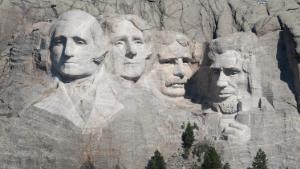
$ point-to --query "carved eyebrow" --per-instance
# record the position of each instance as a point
(59, 38)
(114, 39)
(137, 38)
(167, 60)
(187, 59)
(233, 69)
(77, 39)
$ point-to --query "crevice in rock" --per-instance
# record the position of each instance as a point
(287, 63)
(162, 13)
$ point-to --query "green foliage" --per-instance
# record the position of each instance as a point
(188, 137)
(156, 161)
(195, 126)
(199, 149)
(260, 160)
(87, 165)
(211, 159)
(226, 166)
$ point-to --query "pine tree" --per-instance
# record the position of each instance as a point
(188, 136)
(211, 160)
(226, 166)
(260, 160)
(156, 161)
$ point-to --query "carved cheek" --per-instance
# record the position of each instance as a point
(57, 52)
(187, 70)
(242, 81)
(165, 72)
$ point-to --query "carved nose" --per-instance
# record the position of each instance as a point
(130, 51)
(69, 49)
(178, 71)
(222, 80)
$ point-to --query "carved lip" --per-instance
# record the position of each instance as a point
(225, 94)
(70, 63)
(175, 84)
(131, 63)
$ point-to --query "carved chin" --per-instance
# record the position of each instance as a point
(73, 73)
(228, 106)
(174, 91)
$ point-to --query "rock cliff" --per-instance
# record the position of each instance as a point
(31, 137)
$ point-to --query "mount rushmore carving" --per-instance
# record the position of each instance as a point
(126, 87)
(89, 59)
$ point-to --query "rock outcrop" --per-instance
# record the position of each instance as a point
(124, 117)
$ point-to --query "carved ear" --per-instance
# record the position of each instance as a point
(197, 49)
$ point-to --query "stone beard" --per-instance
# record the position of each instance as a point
(229, 81)
(232, 87)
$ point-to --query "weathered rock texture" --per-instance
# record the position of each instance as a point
(32, 138)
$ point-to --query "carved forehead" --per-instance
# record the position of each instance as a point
(174, 50)
(79, 23)
(73, 29)
(173, 45)
(241, 41)
(75, 22)
(229, 59)
(125, 28)
(112, 23)
(76, 15)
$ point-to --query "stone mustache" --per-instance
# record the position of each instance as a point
(94, 62)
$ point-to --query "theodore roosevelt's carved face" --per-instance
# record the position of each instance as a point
(73, 47)
(174, 68)
(129, 50)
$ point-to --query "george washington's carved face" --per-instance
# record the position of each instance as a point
(73, 47)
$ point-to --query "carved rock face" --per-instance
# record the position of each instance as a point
(129, 50)
(228, 76)
(73, 47)
(174, 69)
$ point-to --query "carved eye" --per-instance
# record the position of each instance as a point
(186, 60)
(79, 41)
(58, 40)
(229, 72)
(119, 43)
(167, 61)
(139, 42)
(216, 71)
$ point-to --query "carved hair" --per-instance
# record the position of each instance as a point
(110, 22)
(165, 38)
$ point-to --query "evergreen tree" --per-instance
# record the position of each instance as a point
(211, 160)
(156, 161)
(226, 166)
(88, 164)
(188, 136)
(260, 160)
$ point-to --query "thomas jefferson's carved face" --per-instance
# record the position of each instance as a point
(228, 77)
(174, 69)
(129, 51)
(73, 49)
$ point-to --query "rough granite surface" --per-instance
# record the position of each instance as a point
(31, 138)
